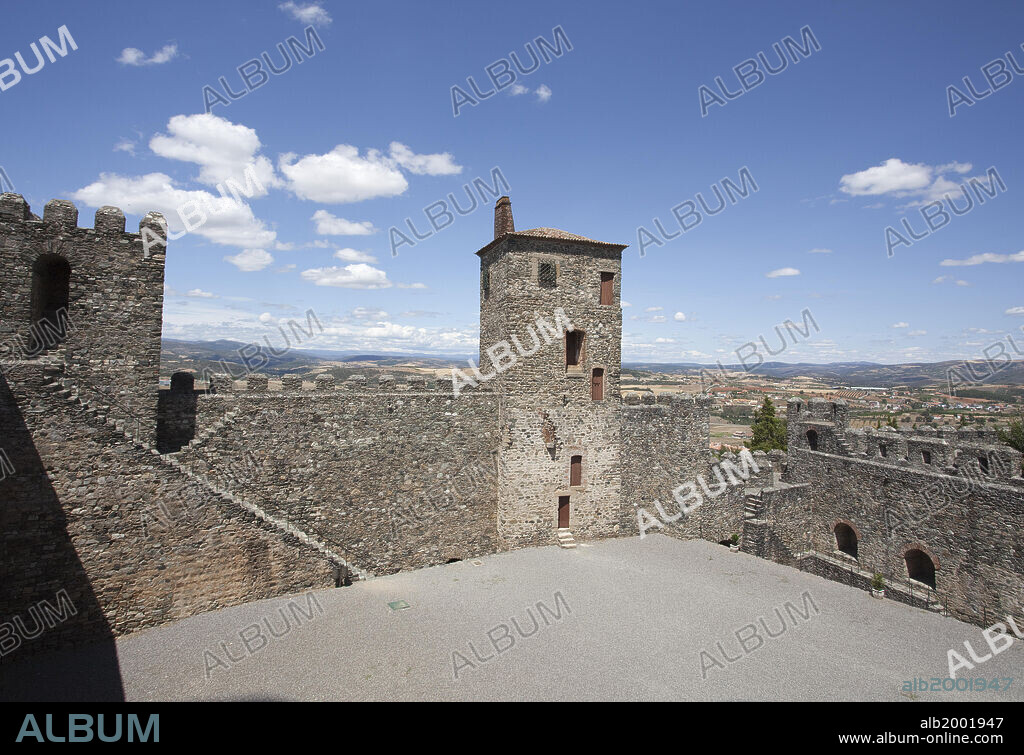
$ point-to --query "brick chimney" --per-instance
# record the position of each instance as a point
(503, 222)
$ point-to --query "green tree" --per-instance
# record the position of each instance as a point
(892, 422)
(768, 431)
(1013, 436)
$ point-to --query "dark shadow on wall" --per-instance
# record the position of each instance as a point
(38, 565)
(176, 413)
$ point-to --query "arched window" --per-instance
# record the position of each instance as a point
(846, 539)
(812, 439)
(51, 293)
(920, 567)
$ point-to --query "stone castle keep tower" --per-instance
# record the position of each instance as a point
(142, 505)
(559, 404)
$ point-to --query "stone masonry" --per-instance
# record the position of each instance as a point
(148, 505)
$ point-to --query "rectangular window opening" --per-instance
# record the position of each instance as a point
(576, 471)
(597, 384)
(573, 348)
(607, 288)
(547, 274)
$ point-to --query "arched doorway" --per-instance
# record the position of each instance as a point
(51, 294)
(812, 439)
(846, 539)
(920, 567)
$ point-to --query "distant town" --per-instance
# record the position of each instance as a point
(738, 394)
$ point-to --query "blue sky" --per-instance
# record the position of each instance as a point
(599, 140)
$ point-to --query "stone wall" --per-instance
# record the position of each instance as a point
(391, 477)
(970, 530)
(114, 308)
(665, 445)
(133, 540)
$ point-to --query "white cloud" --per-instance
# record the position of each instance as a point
(353, 255)
(664, 340)
(331, 225)
(653, 309)
(358, 275)
(820, 251)
(221, 148)
(132, 56)
(925, 183)
(981, 259)
(543, 93)
(900, 325)
(915, 333)
(943, 278)
(658, 318)
(423, 165)
(1015, 311)
(201, 320)
(250, 260)
(125, 145)
(962, 283)
(412, 285)
(518, 89)
(625, 304)
(679, 317)
(342, 175)
(893, 175)
(364, 312)
(267, 319)
(227, 221)
(782, 272)
(200, 294)
(310, 13)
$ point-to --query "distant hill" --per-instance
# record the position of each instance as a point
(210, 355)
(213, 356)
(859, 373)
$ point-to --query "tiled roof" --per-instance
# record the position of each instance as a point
(551, 233)
(555, 233)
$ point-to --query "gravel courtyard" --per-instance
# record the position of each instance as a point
(611, 620)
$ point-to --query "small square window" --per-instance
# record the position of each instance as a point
(547, 275)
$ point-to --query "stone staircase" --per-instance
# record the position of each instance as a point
(753, 507)
(565, 538)
(63, 388)
(225, 421)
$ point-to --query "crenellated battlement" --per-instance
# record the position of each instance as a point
(674, 398)
(92, 298)
(256, 383)
(60, 216)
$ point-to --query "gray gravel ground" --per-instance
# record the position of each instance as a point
(635, 618)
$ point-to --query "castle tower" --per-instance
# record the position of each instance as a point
(90, 299)
(551, 332)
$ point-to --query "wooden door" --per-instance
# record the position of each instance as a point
(597, 384)
(563, 512)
